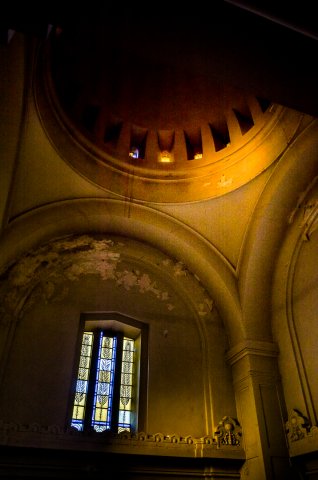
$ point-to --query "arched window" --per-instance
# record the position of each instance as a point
(106, 393)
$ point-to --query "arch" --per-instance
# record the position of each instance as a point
(136, 221)
(286, 329)
(88, 276)
(289, 180)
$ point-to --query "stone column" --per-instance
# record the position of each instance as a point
(260, 410)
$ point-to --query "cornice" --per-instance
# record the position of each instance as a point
(251, 347)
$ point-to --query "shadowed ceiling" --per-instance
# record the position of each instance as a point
(265, 46)
(173, 94)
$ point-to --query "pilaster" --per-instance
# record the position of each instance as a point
(260, 410)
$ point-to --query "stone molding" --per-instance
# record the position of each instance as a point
(44, 224)
(251, 347)
(227, 444)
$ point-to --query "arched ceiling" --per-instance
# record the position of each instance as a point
(146, 103)
(264, 45)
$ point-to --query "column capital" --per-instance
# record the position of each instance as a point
(251, 347)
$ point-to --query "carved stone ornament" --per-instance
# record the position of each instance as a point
(229, 432)
(297, 426)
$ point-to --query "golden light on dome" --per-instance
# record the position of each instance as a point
(165, 157)
(158, 126)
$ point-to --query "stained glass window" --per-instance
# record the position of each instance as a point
(105, 383)
(82, 381)
(126, 385)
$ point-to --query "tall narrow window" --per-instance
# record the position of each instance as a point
(126, 385)
(80, 399)
(109, 388)
(106, 385)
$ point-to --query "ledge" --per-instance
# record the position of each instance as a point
(52, 437)
(308, 444)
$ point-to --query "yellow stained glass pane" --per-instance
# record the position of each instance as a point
(83, 374)
(107, 347)
(87, 343)
(100, 414)
(126, 378)
(125, 391)
(124, 429)
(125, 404)
(81, 402)
(127, 366)
(128, 343)
(106, 353)
(86, 349)
(82, 381)
(104, 376)
(78, 412)
(102, 402)
(126, 382)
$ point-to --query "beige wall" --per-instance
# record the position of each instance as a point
(187, 341)
(227, 285)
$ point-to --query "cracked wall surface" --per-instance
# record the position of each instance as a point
(43, 296)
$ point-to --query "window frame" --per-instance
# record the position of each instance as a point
(116, 324)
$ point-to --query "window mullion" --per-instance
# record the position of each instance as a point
(116, 394)
(92, 379)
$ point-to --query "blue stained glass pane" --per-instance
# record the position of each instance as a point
(104, 385)
(81, 386)
(100, 427)
(124, 421)
(78, 424)
(124, 417)
(105, 365)
(103, 389)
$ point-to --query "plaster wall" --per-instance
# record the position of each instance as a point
(187, 341)
(12, 95)
(305, 306)
(294, 320)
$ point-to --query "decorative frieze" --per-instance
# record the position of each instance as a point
(228, 436)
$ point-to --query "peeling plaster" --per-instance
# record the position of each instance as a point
(41, 275)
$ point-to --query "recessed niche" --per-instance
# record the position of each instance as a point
(220, 135)
(193, 140)
(263, 103)
(138, 138)
(244, 119)
(165, 140)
